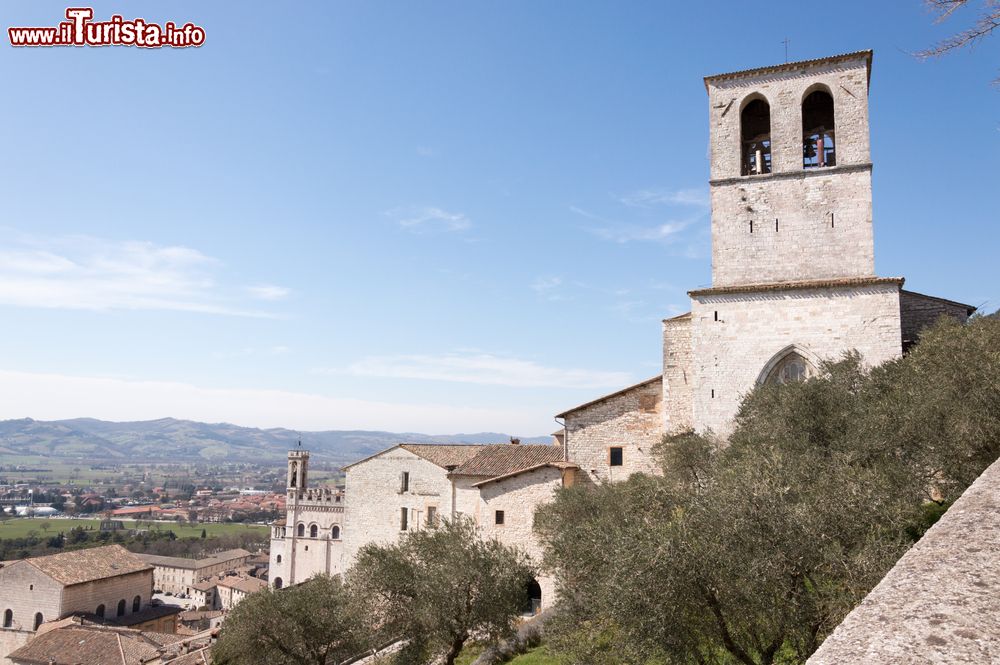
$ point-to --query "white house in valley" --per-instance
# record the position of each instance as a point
(793, 284)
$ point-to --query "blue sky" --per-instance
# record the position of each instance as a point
(423, 216)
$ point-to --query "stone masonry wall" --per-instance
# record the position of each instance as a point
(677, 376)
(277, 567)
(752, 328)
(306, 556)
(519, 497)
(815, 225)
(824, 215)
(632, 419)
(939, 603)
(87, 596)
(374, 498)
(25, 590)
(919, 311)
(11, 640)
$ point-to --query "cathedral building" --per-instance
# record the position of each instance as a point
(793, 285)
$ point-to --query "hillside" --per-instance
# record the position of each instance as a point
(172, 440)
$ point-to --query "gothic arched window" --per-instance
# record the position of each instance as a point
(100, 611)
(792, 368)
(755, 138)
(335, 532)
(38, 620)
(301, 530)
(295, 473)
(278, 559)
(121, 608)
(8, 618)
(818, 147)
(313, 531)
(136, 603)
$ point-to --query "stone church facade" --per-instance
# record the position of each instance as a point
(793, 270)
(793, 285)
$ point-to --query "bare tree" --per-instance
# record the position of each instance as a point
(987, 21)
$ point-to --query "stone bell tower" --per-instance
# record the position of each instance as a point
(791, 172)
(793, 266)
(298, 467)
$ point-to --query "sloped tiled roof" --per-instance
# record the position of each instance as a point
(244, 584)
(80, 645)
(444, 456)
(790, 66)
(194, 564)
(440, 454)
(658, 377)
(838, 282)
(505, 458)
(199, 657)
(545, 465)
(90, 564)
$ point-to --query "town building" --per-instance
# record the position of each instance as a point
(176, 575)
(793, 285)
(75, 641)
(409, 487)
(109, 583)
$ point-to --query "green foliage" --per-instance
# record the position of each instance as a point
(750, 550)
(308, 624)
(439, 587)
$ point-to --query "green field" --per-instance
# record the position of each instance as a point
(20, 527)
(536, 656)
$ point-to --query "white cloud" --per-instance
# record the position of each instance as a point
(482, 368)
(429, 219)
(84, 273)
(268, 292)
(55, 396)
(645, 198)
(548, 288)
(624, 233)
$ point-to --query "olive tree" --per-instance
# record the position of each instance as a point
(309, 624)
(439, 587)
(751, 549)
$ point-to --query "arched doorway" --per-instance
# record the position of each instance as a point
(277, 582)
(533, 604)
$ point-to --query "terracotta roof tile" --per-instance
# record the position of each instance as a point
(90, 564)
(505, 458)
(555, 465)
(444, 456)
(658, 377)
(792, 286)
(194, 564)
(244, 584)
(790, 66)
(86, 645)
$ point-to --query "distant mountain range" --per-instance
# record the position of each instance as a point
(172, 440)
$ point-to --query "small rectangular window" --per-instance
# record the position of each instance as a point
(616, 456)
(432, 515)
(403, 515)
(404, 481)
(499, 517)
